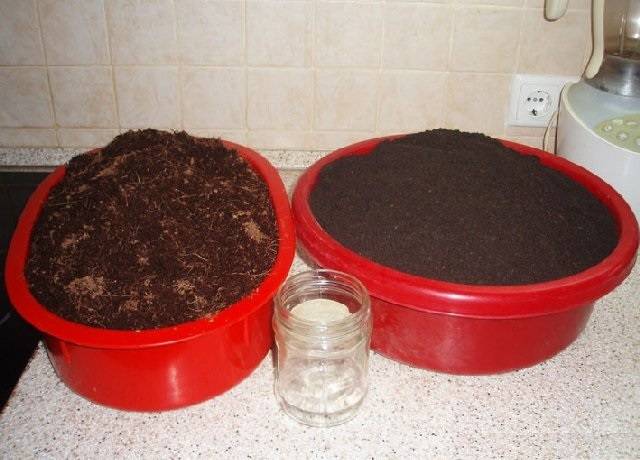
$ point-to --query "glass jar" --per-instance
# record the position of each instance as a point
(322, 367)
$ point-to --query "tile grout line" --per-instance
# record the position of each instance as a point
(270, 67)
(516, 69)
(378, 100)
(245, 53)
(180, 68)
(107, 24)
(314, 76)
(452, 27)
(52, 106)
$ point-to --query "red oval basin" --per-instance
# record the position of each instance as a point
(161, 368)
(467, 329)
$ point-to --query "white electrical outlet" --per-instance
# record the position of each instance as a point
(534, 98)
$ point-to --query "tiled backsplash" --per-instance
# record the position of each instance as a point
(273, 74)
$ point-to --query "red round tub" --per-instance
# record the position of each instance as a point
(464, 329)
(164, 368)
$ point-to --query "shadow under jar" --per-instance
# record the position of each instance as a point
(322, 366)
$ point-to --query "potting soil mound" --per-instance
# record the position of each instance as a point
(463, 208)
(154, 230)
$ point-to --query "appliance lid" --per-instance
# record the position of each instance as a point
(593, 105)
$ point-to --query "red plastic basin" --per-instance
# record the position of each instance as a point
(466, 329)
(164, 368)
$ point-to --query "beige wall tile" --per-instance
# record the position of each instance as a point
(524, 131)
(86, 138)
(213, 98)
(83, 96)
(142, 31)
(420, 1)
(331, 140)
(380, 67)
(280, 99)
(557, 47)
(477, 102)
(485, 39)
(19, 34)
(16, 137)
(530, 141)
(573, 4)
(417, 36)
(280, 139)
(411, 101)
(348, 34)
(239, 137)
(148, 97)
(279, 33)
(382, 132)
(24, 98)
(532, 136)
(210, 32)
(346, 100)
(74, 31)
(492, 2)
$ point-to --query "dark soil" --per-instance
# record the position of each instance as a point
(155, 230)
(463, 208)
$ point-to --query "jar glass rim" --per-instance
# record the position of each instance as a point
(324, 278)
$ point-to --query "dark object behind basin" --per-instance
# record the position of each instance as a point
(17, 339)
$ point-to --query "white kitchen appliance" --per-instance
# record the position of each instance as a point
(599, 116)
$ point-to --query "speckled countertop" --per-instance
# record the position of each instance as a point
(585, 402)
(12, 158)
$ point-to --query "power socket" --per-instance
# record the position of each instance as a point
(534, 98)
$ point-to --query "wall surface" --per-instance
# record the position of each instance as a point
(273, 74)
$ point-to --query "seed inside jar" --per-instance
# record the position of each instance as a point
(320, 310)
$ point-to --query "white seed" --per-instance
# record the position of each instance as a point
(320, 310)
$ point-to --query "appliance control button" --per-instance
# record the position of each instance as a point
(638, 141)
(617, 121)
(623, 136)
(631, 123)
(607, 128)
